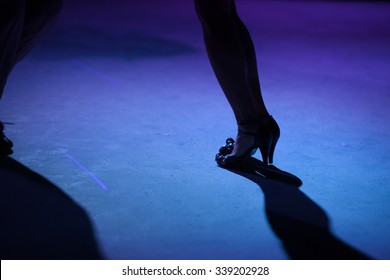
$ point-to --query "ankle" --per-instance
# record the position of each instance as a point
(253, 125)
(248, 127)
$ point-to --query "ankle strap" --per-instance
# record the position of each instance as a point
(260, 119)
(252, 127)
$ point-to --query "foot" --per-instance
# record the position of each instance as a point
(262, 133)
(235, 152)
(242, 144)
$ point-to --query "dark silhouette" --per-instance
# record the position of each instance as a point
(22, 24)
(301, 225)
(38, 220)
(233, 58)
(5, 144)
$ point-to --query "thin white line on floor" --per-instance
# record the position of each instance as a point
(258, 173)
(89, 173)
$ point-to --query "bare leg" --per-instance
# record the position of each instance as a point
(252, 72)
(232, 56)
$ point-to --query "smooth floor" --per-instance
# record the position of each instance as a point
(116, 117)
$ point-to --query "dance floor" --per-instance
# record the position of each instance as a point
(116, 117)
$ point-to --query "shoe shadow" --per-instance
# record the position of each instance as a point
(39, 221)
(301, 225)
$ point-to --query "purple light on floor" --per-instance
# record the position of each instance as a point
(89, 173)
(96, 73)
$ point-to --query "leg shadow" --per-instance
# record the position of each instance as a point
(300, 224)
(39, 221)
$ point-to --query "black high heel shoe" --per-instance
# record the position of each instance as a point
(5, 144)
(266, 135)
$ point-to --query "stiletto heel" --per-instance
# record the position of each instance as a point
(275, 138)
(264, 150)
(271, 152)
